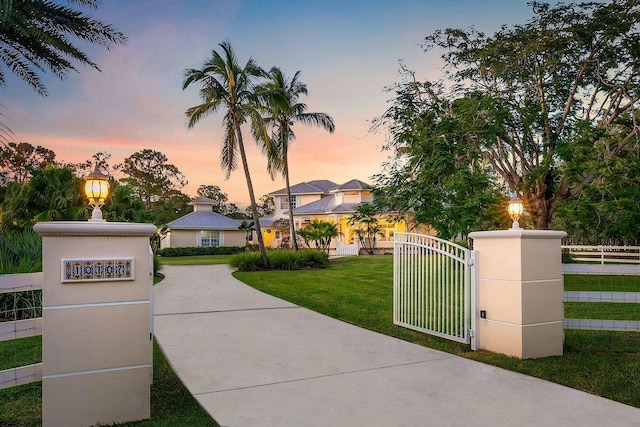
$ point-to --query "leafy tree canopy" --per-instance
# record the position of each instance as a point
(151, 177)
(540, 107)
(18, 159)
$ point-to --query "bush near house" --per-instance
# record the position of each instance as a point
(283, 259)
(190, 251)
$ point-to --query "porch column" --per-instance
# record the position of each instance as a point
(97, 322)
(520, 288)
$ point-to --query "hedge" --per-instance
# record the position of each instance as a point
(201, 250)
(280, 259)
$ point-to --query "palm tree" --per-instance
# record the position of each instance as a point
(283, 109)
(224, 84)
(38, 35)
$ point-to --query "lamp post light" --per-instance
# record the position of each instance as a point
(515, 209)
(96, 188)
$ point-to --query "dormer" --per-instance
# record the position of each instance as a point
(354, 191)
(202, 204)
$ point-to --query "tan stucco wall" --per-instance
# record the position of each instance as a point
(520, 287)
(234, 238)
(96, 336)
(189, 238)
(182, 238)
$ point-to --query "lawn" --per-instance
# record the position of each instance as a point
(358, 290)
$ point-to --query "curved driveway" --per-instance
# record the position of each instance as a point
(254, 360)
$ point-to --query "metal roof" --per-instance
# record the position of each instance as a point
(205, 221)
(320, 186)
(354, 184)
(324, 206)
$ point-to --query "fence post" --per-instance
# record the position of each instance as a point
(96, 299)
(520, 289)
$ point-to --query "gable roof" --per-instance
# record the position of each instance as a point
(354, 184)
(204, 221)
(319, 186)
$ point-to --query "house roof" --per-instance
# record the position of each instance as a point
(205, 221)
(354, 184)
(319, 186)
(324, 206)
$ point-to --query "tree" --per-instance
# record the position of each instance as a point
(100, 161)
(123, 205)
(266, 206)
(225, 84)
(367, 228)
(38, 35)
(52, 194)
(151, 177)
(171, 207)
(18, 159)
(214, 193)
(539, 104)
(283, 110)
(320, 233)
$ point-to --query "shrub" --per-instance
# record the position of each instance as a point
(193, 250)
(247, 261)
(567, 257)
(312, 259)
(20, 252)
(281, 259)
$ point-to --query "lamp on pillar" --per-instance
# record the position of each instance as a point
(515, 209)
(96, 188)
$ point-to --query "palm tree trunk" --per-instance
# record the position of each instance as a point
(292, 228)
(252, 197)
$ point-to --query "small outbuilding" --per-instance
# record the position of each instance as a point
(203, 227)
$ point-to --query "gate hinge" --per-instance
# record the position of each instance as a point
(471, 334)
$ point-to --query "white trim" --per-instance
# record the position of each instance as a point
(96, 371)
(95, 304)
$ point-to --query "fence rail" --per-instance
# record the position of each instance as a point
(604, 253)
(601, 296)
(13, 283)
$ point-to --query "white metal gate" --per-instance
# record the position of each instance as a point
(434, 287)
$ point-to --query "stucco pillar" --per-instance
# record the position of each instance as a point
(519, 294)
(96, 334)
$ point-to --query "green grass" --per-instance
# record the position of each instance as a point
(171, 403)
(195, 260)
(358, 290)
(20, 352)
(584, 282)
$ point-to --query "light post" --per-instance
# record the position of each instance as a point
(515, 209)
(96, 188)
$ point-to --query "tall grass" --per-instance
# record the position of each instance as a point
(20, 252)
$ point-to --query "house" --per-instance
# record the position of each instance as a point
(203, 227)
(323, 200)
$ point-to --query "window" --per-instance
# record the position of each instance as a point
(209, 238)
(284, 204)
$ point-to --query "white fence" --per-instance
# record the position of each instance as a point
(600, 296)
(347, 250)
(604, 253)
(12, 283)
(434, 287)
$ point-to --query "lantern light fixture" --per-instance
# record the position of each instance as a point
(515, 210)
(96, 188)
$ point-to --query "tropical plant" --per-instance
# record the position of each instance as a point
(365, 219)
(38, 35)
(320, 233)
(52, 194)
(225, 84)
(283, 110)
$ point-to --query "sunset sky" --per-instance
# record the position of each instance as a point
(348, 52)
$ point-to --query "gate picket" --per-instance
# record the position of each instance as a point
(434, 287)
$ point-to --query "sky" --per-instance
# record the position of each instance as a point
(347, 51)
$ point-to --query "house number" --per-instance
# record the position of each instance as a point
(86, 270)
